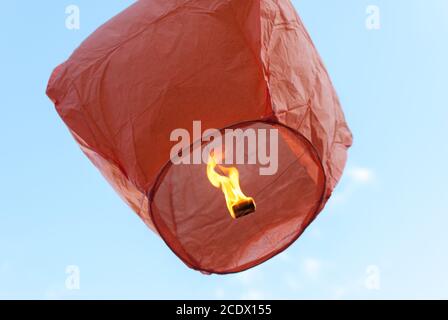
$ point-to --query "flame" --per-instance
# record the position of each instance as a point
(229, 184)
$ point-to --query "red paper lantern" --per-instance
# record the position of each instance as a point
(160, 65)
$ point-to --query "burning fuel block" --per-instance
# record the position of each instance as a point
(243, 208)
(238, 203)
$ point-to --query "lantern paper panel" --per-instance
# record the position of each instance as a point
(161, 65)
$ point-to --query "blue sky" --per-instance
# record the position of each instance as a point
(387, 219)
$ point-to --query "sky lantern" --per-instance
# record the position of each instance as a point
(215, 120)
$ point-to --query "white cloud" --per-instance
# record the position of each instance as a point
(340, 292)
(57, 292)
(350, 289)
(312, 267)
(361, 175)
(220, 293)
(249, 277)
(358, 176)
(250, 280)
(253, 294)
(292, 281)
(314, 231)
(285, 256)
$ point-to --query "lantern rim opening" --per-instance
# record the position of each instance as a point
(179, 250)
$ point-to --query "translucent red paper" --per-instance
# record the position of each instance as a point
(162, 64)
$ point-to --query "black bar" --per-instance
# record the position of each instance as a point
(215, 309)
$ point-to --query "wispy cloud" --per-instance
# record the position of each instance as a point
(254, 294)
(361, 175)
(58, 292)
(357, 177)
(340, 292)
(249, 277)
(292, 281)
(285, 256)
(220, 293)
(312, 267)
(250, 281)
(354, 287)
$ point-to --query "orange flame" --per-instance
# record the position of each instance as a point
(229, 185)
